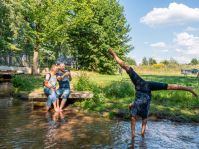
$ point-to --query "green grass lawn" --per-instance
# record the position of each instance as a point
(113, 93)
(117, 91)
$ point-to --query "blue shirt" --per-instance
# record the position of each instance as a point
(65, 83)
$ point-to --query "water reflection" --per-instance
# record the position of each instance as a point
(22, 127)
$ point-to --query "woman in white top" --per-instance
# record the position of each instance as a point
(50, 88)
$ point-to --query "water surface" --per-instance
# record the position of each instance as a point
(23, 127)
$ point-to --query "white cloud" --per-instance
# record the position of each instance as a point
(182, 59)
(178, 50)
(158, 45)
(191, 29)
(187, 43)
(175, 14)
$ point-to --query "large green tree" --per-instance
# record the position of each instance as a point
(45, 25)
(83, 29)
(104, 26)
(10, 21)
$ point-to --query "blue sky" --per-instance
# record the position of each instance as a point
(163, 29)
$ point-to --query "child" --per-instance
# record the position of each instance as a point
(143, 93)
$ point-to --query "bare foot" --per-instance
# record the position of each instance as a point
(192, 91)
(56, 109)
(142, 135)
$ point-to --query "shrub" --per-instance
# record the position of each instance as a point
(119, 89)
(27, 82)
(159, 66)
(84, 84)
(21, 82)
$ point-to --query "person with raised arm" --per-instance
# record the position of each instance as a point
(143, 89)
(64, 78)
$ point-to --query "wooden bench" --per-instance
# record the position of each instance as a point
(38, 98)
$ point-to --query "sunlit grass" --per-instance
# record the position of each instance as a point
(114, 92)
(176, 104)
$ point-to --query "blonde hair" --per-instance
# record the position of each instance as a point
(53, 67)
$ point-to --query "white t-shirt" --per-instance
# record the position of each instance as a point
(52, 80)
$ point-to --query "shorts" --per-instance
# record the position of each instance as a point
(63, 93)
(51, 96)
(143, 93)
(141, 105)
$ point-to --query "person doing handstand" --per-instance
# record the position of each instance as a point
(143, 89)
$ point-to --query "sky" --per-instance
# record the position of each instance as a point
(163, 29)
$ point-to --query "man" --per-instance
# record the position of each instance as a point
(143, 88)
(64, 78)
(50, 88)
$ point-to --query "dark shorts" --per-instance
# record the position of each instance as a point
(141, 105)
(143, 93)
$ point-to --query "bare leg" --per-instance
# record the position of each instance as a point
(55, 106)
(144, 122)
(57, 102)
(47, 108)
(133, 121)
(62, 104)
(179, 87)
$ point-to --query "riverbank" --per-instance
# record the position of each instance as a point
(113, 93)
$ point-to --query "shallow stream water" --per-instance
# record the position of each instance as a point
(23, 127)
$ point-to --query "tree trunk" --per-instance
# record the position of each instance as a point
(35, 67)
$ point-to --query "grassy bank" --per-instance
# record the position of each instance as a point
(113, 93)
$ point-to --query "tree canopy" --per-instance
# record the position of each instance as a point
(82, 29)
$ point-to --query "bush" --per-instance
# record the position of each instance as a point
(27, 82)
(159, 66)
(119, 89)
(84, 84)
(21, 83)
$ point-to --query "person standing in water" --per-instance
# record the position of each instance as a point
(143, 89)
(50, 88)
(64, 78)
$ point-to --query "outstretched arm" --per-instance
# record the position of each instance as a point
(118, 60)
(179, 87)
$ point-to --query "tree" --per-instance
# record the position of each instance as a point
(166, 62)
(8, 29)
(130, 61)
(152, 61)
(194, 61)
(84, 29)
(145, 61)
(172, 61)
(104, 26)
